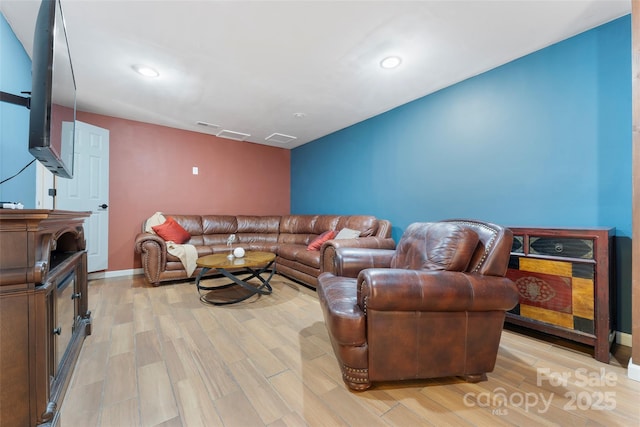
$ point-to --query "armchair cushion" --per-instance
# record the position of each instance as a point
(435, 246)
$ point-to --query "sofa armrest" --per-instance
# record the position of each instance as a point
(329, 249)
(153, 251)
(384, 228)
(419, 290)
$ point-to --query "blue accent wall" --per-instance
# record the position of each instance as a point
(15, 77)
(544, 140)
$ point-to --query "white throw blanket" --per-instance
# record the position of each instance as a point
(186, 253)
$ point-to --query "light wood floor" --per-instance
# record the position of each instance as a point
(159, 357)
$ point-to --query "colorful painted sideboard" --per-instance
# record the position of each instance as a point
(566, 281)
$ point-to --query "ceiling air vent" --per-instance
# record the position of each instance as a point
(207, 124)
(236, 136)
(279, 137)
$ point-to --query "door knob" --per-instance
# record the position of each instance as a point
(103, 206)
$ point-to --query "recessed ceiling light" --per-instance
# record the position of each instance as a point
(146, 71)
(299, 115)
(390, 62)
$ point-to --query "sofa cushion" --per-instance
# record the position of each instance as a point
(325, 222)
(300, 254)
(366, 224)
(435, 246)
(298, 224)
(257, 230)
(348, 233)
(191, 223)
(316, 244)
(171, 231)
(219, 224)
(258, 224)
(201, 250)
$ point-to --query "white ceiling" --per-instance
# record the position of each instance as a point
(249, 66)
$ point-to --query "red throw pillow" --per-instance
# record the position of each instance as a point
(171, 231)
(316, 244)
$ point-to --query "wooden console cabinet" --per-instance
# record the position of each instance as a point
(566, 281)
(44, 314)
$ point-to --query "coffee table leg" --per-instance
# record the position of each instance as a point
(202, 273)
(264, 289)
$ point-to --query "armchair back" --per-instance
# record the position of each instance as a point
(491, 257)
(435, 246)
(454, 245)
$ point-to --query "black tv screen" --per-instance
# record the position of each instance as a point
(53, 93)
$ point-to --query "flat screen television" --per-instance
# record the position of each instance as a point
(53, 93)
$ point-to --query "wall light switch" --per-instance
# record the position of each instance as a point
(195, 170)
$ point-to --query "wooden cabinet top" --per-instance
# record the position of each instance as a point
(40, 215)
(27, 238)
(532, 229)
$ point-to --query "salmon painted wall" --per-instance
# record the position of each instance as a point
(150, 170)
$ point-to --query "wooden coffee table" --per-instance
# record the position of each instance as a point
(253, 263)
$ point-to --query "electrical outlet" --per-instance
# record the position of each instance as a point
(195, 170)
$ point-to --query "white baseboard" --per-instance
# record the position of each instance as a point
(117, 273)
(623, 338)
(633, 371)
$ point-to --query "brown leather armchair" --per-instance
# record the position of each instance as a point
(433, 307)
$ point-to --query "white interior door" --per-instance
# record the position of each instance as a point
(44, 181)
(89, 191)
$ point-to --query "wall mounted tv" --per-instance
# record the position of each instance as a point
(53, 93)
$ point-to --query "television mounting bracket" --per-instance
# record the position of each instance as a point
(25, 101)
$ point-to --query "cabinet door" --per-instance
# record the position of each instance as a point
(65, 319)
(555, 292)
(14, 360)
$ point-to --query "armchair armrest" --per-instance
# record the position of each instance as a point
(153, 250)
(329, 249)
(420, 290)
(348, 262)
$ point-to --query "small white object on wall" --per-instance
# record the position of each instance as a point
(238, 252)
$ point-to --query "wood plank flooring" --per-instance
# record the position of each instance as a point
(159, 357)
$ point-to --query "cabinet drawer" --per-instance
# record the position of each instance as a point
(569, 247)
(554, 246)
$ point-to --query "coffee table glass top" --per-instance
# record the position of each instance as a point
(250, 259)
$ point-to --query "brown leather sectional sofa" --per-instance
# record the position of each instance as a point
(287, 236)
